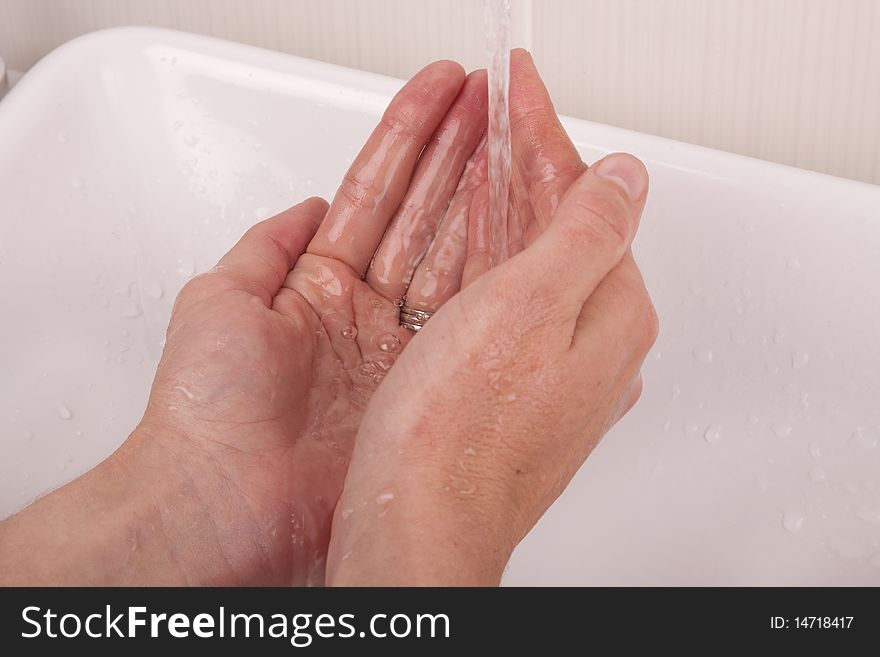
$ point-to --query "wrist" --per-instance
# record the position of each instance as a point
(429, 528)
(136, 519)
(195, 525)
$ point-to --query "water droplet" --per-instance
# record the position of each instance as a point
(782, 428)
(29, 436)
(845, 548)
(779, 335)
(817, 474)
(130, 310)
(691, 427)
(384, 498)
(63, 411)
(186, 392)
(815, 449)
(398, 303)
(676, 391)
(868, 514)
(792, 521)
(799, 359)
(186, 267)
(76, 183)
(739, 336)
(713, 433)
(153, 289)
(345, 514)
(349, 332)
(376, 303)
(866, 437)
(793, 263)
(704, 355)
(389, 343)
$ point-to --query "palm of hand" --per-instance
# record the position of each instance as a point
(276, 392)
(272, 357)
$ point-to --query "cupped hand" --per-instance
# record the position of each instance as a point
(508, 388)
(544, 165)
(272, 357)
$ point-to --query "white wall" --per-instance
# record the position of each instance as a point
(796, 81)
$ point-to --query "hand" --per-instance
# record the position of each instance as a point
(505, 392)
(270, 360)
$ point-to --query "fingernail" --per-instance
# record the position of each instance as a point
(625, 171)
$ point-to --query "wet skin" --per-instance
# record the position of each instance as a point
(273, 358)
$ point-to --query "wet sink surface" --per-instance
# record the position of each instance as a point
(132, 159)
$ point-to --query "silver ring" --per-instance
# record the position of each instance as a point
(413, 319)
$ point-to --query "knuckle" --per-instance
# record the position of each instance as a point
(529, 117)
(359, 192)
(603, 221)
(405, 119)
(646, 323)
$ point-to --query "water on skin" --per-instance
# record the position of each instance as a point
(496, 16)
(389, 343)
(438, 277)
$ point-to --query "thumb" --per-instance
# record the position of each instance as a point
(592, 228)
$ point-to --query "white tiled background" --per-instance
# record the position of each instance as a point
(795, 81)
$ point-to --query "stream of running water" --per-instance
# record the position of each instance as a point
(496, 17)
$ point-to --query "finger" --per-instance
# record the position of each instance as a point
(261, 259)
(591, 230)
(376, 181)
(544, 160)
(618, 320)
(437, 175)
(479, 237)
(439, 275)
(630, 397)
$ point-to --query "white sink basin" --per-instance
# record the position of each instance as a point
(131, 159)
